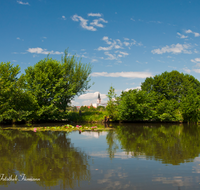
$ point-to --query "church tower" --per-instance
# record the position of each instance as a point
(99, 99)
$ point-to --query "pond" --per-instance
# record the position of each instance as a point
(131, 156)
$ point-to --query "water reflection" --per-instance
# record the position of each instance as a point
(172, 144)
(49, 156)
(52, 157)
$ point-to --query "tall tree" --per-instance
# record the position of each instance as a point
(171, 85)
(112, 103)
(15, 102)
(55, 83)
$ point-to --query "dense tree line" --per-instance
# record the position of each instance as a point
(171, 96)
(44, 91)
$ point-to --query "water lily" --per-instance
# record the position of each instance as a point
(35, 129)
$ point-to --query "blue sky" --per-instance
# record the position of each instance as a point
(126, 41)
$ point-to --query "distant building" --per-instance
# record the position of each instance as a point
(99, 99)
(95, 105)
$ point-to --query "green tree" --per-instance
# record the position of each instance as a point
(177, 95)
(55, 83)
(15, 102)
(171, 85)
(111, 107)
(190, 107)
(137, 105)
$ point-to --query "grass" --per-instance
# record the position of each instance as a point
(87, 116)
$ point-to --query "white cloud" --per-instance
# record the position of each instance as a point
(138, 87)
(112, 44)
(118, 47)
(92, 96)
(94, 60)
(94, 14)
(126, 43)
(124, 53)
(178, 48)
(188, 31)
(181, 35)
(83, 23)
(187, 70)
(84, 56)
(123, 74)
(196, 70)
(63, 17)
(110, 56)
(119, 41)
(96, 22)
(196, 34)
(121, 53)
(74, 103)
(22, 3)
(18, 38)
(195, 60)
(105, 38)
(39, 50)
(117, 44)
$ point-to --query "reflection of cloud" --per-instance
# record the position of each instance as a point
(94, 134)
(113, 179)
(196, 168)
(119, 155)
(176, 181)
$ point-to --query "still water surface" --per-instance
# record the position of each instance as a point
(134, 156)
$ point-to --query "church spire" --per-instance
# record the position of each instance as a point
(99, 99)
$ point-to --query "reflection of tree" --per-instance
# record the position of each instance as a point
(49, 156)
(172, 145)
(112, 145)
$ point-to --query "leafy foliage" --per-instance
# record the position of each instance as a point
(45, 90)
(111, 107)
(54, 84)
(15, 102)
